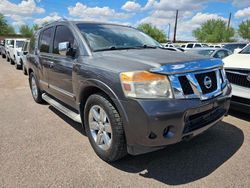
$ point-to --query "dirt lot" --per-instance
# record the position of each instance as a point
(40, 147)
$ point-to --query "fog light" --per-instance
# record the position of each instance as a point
(168, 132)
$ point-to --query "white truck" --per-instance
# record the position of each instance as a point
(237, 68)
(14, 50)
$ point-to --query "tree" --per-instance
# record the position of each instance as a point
(5, 29)
(214, 31)
(26, 31)
(35, 27)
(244, 29)
(153, 31)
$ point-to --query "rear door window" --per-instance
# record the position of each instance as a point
(190, 46)
(45, 39)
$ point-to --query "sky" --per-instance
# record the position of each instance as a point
(161, 13)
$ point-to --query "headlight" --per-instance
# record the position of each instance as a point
(143, 84)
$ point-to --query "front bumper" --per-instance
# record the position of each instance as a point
(240, 100)
(153, 124)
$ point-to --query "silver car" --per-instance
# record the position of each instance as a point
(211, 52)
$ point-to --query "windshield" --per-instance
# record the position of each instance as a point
(204, 52)
(246, 50)
(232, 47)
(19, 44)
(110, 37)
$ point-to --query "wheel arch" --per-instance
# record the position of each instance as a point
(96, 86)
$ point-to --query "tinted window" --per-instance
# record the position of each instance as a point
(33, 43)
(19, 44)
(190, 46)
(25, 46)
(246, 50)
(232, 47)
(45, 39)
(12, 42)
(63, 34)
(197, 45)
(221, 54)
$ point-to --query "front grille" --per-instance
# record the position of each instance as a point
(201, 77)
(202, 119)
(186, 87)
(238, 77)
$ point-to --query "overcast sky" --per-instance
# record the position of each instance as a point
(158, 12)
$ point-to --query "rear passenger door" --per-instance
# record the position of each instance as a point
(60, 74)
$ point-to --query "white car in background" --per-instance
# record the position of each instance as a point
(193, 45)
(15, 49)
(237, 67)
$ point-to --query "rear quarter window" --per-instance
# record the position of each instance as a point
(45, 40)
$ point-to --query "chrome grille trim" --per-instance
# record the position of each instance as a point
(178, 92)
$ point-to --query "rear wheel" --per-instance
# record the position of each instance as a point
(24, 70)
(104, 128)
(17, 66)
(3, 56)
(8, 58)
(35, 90)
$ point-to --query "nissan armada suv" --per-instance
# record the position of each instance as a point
(130, 94)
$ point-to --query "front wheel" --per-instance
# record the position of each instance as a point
(35, 90)
(104, 128)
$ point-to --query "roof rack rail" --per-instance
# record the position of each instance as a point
(54, 21)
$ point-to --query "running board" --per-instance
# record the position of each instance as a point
(72, 115)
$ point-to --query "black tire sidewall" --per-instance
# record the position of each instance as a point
(106, 155)
(39, 93)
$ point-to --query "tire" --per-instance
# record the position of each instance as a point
(3, 56)
(8, 59)
(114, 133)
(35, 90)
(17, 66)
(24, 70)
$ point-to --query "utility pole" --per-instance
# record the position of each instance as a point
(169, 31)
(229, 21)
(175, 26)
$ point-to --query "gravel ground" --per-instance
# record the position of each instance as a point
(40, 147)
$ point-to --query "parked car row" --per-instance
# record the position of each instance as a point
(233, 47)
(15, 50)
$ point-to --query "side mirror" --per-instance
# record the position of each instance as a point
(65, 49)
(25, 53)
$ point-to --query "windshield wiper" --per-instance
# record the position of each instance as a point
(147, 46)
(125, 48)
(113, 48)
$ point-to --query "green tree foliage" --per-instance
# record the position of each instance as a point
(244, 29)
(26, 31)
(35, 27)
(214, 31)
(153, 31)
(5, 29)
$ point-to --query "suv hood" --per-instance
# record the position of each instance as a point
(237, 61)
(146, 59)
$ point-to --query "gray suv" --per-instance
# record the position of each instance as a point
(131, 95)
